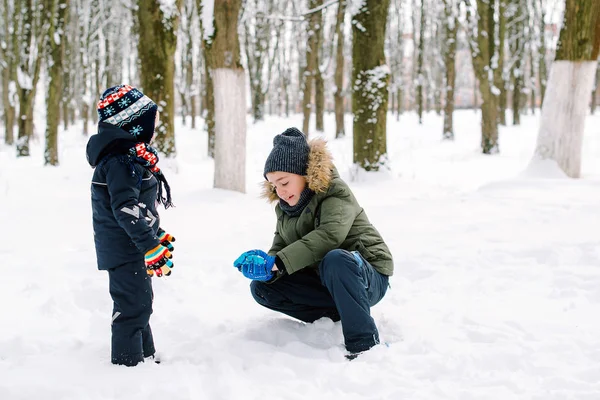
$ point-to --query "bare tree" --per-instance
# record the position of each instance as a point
(314, 18)
(56, 50)
(8, 63)
(156, 48)
(339, 71)
(260, 48)
(370, 78)
(516, 23)
(484, 54)
(571, 80)
(451, 25)
(208, 98)
(34, 26)
(420, 81)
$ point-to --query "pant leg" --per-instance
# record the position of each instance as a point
(300, 295)
(355, 286)
(131, 290)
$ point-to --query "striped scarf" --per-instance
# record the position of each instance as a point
(147, 156)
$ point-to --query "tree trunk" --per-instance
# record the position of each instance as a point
(420, 72)
(25, 81)
(319, 83)
(223, 51)
(311, 63)
(156, 50)
(370, 76)
(499, 75)
(319, 101)
(339, 71)
(517, 53)
(484, 56)
(571, 79)
(449, 45)
(55, 85)
(209, 113)
(542, 69)
(489, 123)
(9, 54)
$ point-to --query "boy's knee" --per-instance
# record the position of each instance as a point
(334, 262)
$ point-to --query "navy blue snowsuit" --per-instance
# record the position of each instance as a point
(125, 221)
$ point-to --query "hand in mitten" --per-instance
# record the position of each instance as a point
(165, 239)
(158, 261)
(256, 265)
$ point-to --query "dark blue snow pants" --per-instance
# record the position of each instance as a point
(345, 289)
(131, 290)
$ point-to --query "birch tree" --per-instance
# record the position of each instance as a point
(370, 77)
(571, 79)
(158, 22)
(224, 60)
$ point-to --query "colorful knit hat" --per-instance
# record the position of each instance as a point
(129, 109)
(289, 154)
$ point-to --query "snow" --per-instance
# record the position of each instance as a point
(496, 291)
(353, 7)
(208, 18)
(168, 8)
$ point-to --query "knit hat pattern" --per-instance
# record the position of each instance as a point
(289, 154)
(129, 109)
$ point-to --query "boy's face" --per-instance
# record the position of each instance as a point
(287, 185)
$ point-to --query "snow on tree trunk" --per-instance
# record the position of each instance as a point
(571, 80)
(563, 114)
(370, 76)
(230, 129)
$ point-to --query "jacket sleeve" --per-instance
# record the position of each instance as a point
(124, 191)
(277, 245)
(337, 216)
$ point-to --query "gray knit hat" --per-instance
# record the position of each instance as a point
(289, 154)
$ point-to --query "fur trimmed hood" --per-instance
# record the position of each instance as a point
(318, 175)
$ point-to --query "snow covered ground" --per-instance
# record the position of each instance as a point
(496, 293)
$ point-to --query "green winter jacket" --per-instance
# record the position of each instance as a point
(333, 219)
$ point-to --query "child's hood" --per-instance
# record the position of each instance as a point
(109, 137)
(319, 172)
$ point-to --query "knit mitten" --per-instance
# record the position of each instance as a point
(165, 239)
(158, 261)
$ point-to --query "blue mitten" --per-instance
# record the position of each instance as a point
(255, 265)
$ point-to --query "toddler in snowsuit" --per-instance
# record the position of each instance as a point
(127, 186)
(326, 260)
